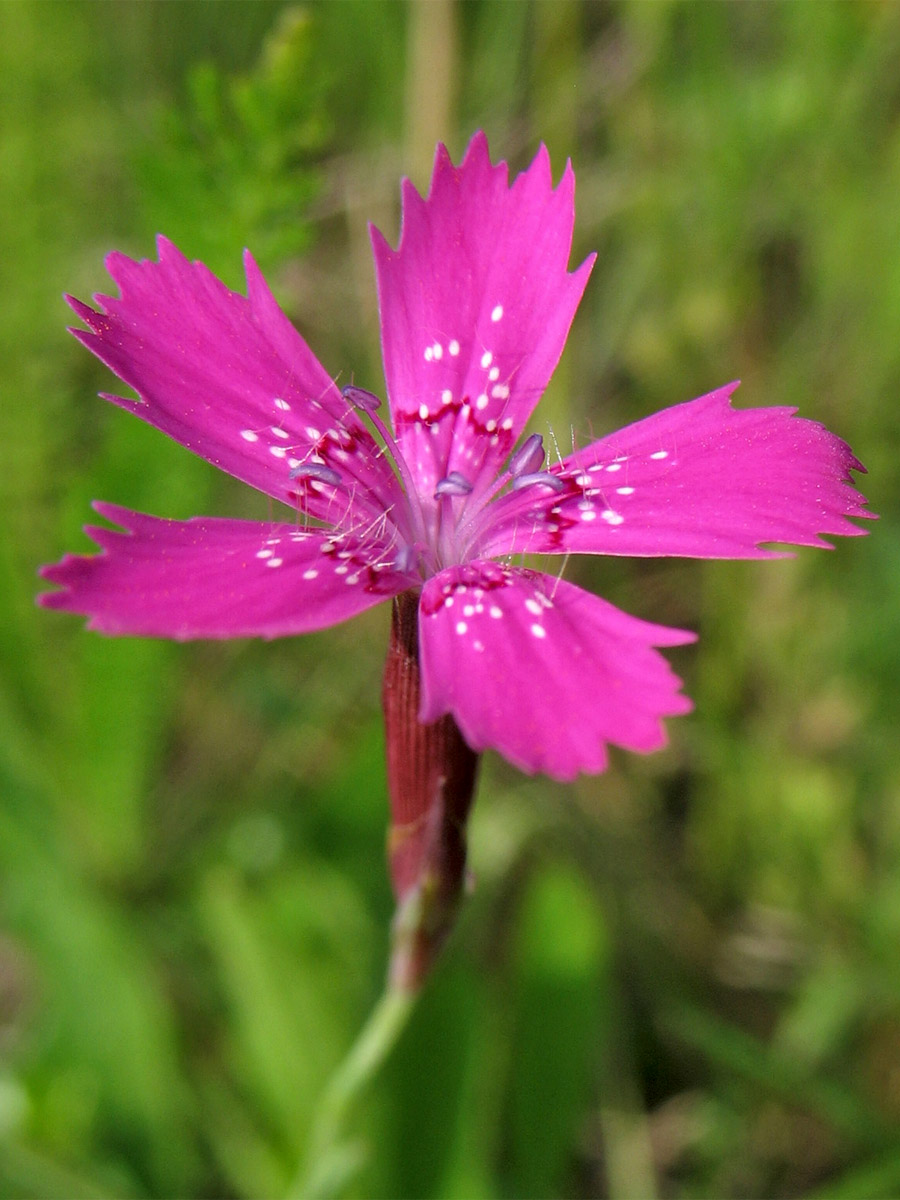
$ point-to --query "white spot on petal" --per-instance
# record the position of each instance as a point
(280, 433)
(590, 515)
(423, 411)
(312, 573)
(264, 554)
(614, 466)
(437, 350)
(249, 436)
(274, 562)
(533, 606)
(500, 392)
(429, 353)
(624, 491)
(660, 454)
(486, 359)
(312, 433)
(454, 348)
(482, 401)
(497, 312)
(446, 396)
(495, 612)
(494, 374)
(613, 518)
(539, 631)
(461, 627)
(277, 451)
(282, 404)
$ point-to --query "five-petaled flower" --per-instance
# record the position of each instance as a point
(476, 304)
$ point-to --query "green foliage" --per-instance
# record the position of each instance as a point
(680, 977)
(236, 162)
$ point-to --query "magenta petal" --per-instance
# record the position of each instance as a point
(212, 578)
(542, 671)
(227, 376)
(701, 479)
(476, 303)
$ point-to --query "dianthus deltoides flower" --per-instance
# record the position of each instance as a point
(476, 303)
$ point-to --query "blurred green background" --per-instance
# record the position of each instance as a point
(681, 978)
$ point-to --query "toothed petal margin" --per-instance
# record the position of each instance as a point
(542, 671)
(476, 303)
(701, 479)
(216, 578)
(230, 378)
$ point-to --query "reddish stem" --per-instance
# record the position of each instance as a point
(431, 780)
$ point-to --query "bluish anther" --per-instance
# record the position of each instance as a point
(360, 398)
(529, 457)
(539, 479)
(317, 471)
(453, 485)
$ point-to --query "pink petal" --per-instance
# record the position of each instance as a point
(230, 378)
(542, 671)
(701, 479)
(476, 303)
(211, 578)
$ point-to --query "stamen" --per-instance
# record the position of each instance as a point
(406, 559)
(529, 457)
(369, 403)
(316, 471)
(453, 485)
(539, 479)
(360, 398)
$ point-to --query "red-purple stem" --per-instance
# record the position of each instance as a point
(431, 781)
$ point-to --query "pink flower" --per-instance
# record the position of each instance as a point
(476, 304)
